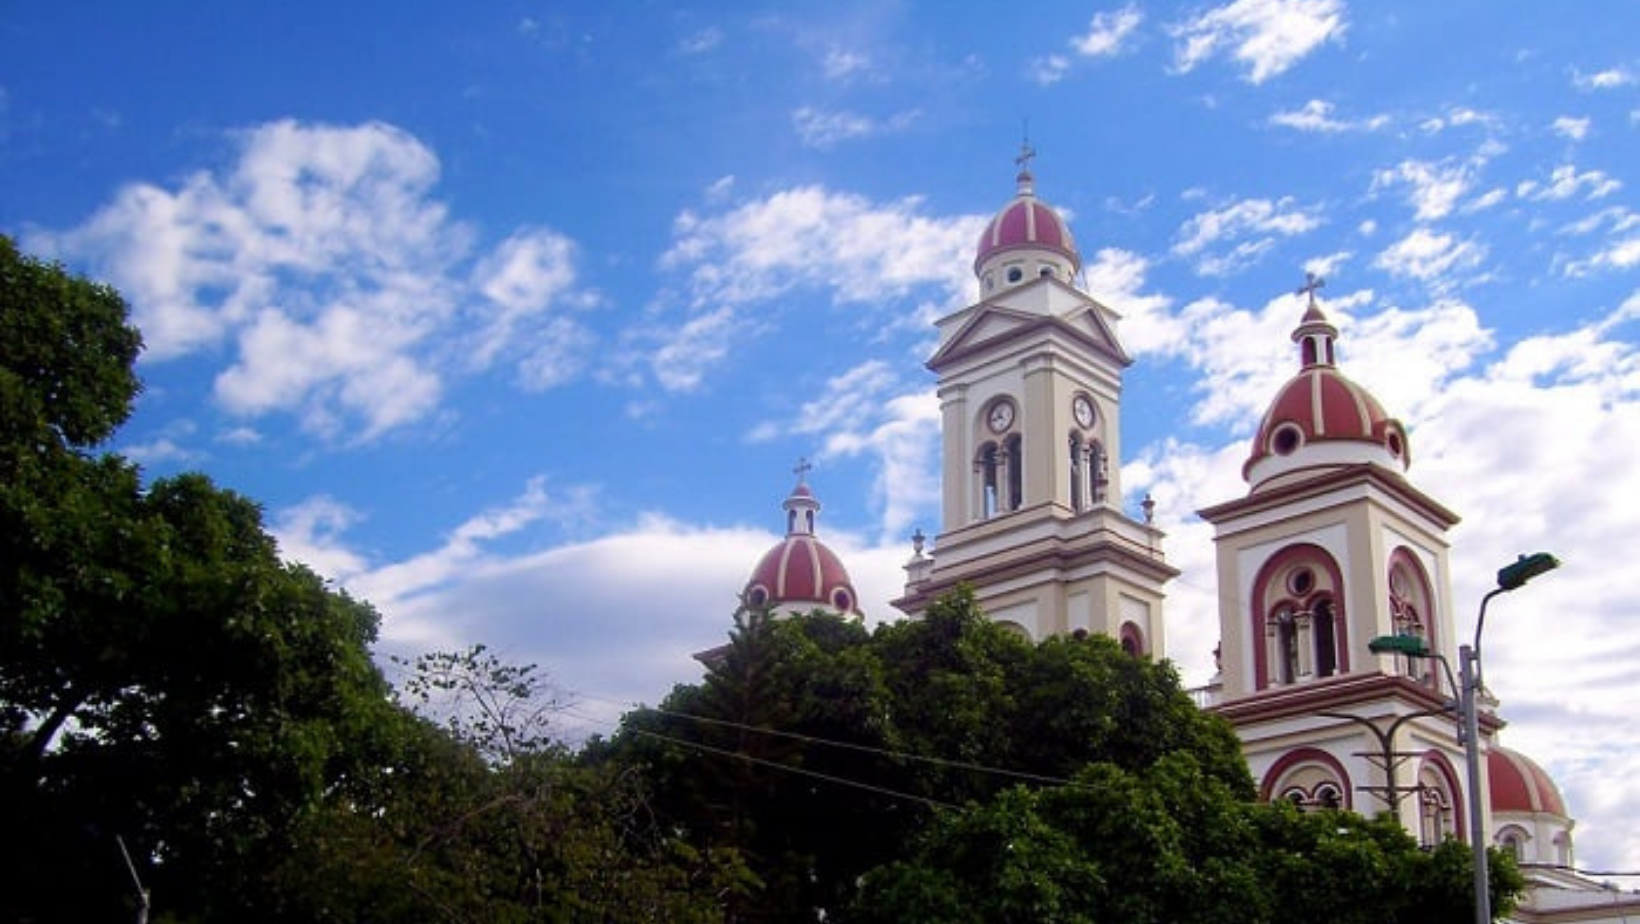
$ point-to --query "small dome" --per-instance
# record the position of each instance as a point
(1321, 417)
(1032, 231)
(1519, 785)
(801, 572)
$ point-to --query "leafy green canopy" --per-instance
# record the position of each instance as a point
(819, 751)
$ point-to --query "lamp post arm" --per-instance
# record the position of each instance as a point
(1480, 624)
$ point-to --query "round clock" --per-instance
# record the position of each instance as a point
(1082, 409)
(1001, 416)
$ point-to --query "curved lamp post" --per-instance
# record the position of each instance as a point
(1468, 687)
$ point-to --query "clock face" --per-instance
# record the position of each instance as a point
(1001, 416)
(1082, 408)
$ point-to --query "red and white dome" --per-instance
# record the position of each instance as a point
(1024, 241)
(801, 573)
(1321, 418)
(1518, 784)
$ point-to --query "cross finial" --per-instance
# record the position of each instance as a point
(801, 470)
(1311, 283)
(1026, 153)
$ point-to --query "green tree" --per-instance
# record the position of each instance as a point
(165, 679)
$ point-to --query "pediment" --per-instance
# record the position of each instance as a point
(1007, 324)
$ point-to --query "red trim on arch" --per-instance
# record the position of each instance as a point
(1433, 617)
(1449, 775)
(1132, 635)
(1298, 757)
(1266, 596)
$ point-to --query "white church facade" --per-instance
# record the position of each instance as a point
(1332, 546)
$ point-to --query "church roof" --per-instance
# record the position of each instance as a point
(801, 572)
(1027, 222)
(1519, 785)
(1320, 417)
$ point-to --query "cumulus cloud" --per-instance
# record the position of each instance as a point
(1266, 36)
(320, 242)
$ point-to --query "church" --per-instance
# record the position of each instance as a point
(1332, 546)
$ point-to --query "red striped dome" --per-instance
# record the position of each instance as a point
(1321, 417)
(801, 572)
(1027, 222)
(1519, 785)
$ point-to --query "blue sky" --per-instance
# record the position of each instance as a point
(517, 316)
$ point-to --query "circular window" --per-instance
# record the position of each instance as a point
(1015, 274)
(1286, 441)
(841, 599)
(757, 596)
(1394, 444)
(1301, 581)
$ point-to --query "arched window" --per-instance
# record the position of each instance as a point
(1133, 639)
(1437, 800)
(1411, 609)
(1311, 778)
(1304, 635)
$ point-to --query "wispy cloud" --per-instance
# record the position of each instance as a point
(1317, 116)
(1566, 182)
(1608, 79)
(1225, 239)
(1108, 35)
(1433, 189)
(1267, 36)
(1431, 257)
(821, 129)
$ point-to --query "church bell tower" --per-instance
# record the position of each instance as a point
(1030, 384)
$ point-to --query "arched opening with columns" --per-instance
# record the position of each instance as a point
(1298, 614)
(1310, 778)
(1412, 611)
(1439, 800)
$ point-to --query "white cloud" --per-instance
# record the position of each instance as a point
(1434, 189)
(1107, 32)
(864, 252)
(1249, 227)
(701, 41)
(320, 242)
(1047, 69)
(682, 361)
(1317, 116)
(840, 64)
(822, 130)
(1268, 36)
(1429, 256)
(1565, 182)
(1458, 118)
(1609, 79)
(1572, 128)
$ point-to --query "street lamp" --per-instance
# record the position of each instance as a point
(1510, 577)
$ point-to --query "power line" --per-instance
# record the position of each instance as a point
(868, 749)
(801, 771)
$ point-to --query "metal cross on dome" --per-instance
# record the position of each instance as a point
(1026, 153)
(802, 469)
(1311, 283)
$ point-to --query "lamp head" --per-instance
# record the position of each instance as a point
(1410, 645)
(1525, 568)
